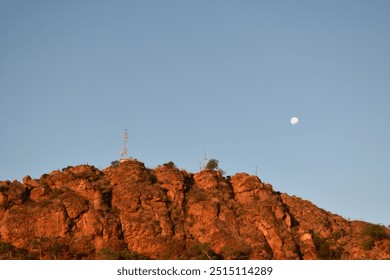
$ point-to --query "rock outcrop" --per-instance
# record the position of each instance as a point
(131, 212)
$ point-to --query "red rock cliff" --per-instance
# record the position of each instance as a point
(132, 212)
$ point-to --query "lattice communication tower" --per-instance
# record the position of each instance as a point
(205, 160)
(124, 154)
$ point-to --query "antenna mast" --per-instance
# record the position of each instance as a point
(205, 160)
(124, 154)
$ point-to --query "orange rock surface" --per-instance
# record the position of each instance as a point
(132, 212)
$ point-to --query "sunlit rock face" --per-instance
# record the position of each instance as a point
(129, 211)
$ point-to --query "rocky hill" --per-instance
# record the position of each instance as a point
(128, 211)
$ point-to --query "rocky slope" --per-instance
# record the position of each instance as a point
(132, 212)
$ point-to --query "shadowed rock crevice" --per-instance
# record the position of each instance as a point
(129, 211)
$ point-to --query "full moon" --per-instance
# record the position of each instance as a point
(294, 120)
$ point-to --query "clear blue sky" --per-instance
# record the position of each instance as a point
(188, 76)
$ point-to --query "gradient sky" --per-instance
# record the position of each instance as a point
(188, 76)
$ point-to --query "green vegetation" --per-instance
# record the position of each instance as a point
(170, 164)
(44, 176)
(324, 250)
(212, 164)
(66, 168)
(372, 233)
(368, 244)
(115, 163)
(124, 254)
(230, 253)
(336, 235)
(10, 252)
(50, 248)
(375, 232)
(57, 248)
(202, 251)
